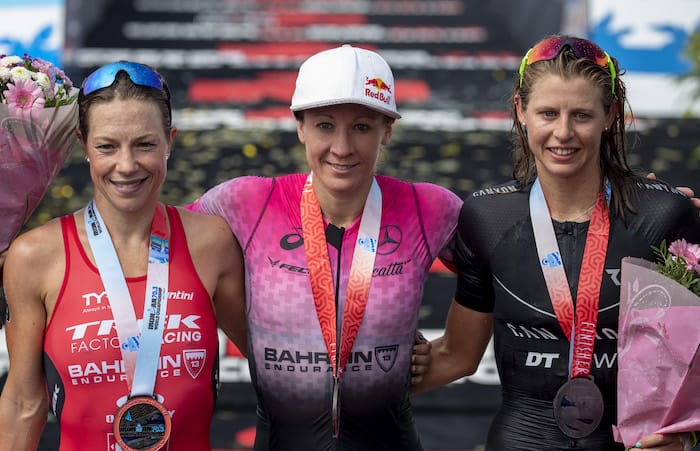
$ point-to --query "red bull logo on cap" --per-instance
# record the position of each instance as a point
(378, 89)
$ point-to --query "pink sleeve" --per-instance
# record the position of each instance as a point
(239, 201)
(439, 209)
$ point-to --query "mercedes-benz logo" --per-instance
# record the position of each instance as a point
(390, 238)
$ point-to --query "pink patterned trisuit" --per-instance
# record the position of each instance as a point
(288, 359)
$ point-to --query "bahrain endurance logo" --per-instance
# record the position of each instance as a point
(386, 356)
(194, 361)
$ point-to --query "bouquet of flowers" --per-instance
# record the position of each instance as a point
(38, 118)
(658, 344)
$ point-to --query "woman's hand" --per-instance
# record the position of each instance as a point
(420, 360)
(667, 442)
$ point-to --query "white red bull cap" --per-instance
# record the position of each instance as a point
(345, 74)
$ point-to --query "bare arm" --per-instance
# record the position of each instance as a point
(458, 352)
(24, 402)
(229, 297)
(219, 262)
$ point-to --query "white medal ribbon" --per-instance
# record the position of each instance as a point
(140, 347)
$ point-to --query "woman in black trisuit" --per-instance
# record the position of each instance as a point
(539, 258)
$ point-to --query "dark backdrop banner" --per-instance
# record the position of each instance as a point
(231, 68)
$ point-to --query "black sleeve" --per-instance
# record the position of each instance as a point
(474, 287)
(664, 214)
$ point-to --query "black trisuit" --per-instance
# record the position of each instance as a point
(499, 272)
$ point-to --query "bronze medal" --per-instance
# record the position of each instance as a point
(578, 407)
(142, 424)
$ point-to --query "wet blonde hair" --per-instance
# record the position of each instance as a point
(613, 145)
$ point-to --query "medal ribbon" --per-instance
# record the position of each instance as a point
(321, 276)
(140, 348)
(581, 323)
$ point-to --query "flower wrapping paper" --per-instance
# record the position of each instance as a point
(658, 380)
(34, 144)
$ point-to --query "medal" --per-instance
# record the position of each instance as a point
(142, 424)
(578, 407)
(321, 280)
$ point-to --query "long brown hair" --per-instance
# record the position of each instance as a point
(613, 145)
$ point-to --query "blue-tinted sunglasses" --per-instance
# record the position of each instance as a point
(138, 73)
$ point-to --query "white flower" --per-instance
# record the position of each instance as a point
(20, 73)
(42, 79)
(9, 61)
(4, 75)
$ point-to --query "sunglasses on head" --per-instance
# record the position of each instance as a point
(138, 73)
(550, 48)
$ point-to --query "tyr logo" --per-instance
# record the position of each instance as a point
(96, 298)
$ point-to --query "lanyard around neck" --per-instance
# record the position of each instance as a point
(140, 348)
(581, 323)
(321, 276)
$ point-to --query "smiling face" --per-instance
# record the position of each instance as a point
(342, 145)
(565, 119)
(127, 146)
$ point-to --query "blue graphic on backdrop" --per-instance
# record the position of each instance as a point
(669, 58)
(37, 46)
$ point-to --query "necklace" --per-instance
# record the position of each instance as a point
(586, 212)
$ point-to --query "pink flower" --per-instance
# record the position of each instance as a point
(689, 252)
(25, 94)
(42, 66)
